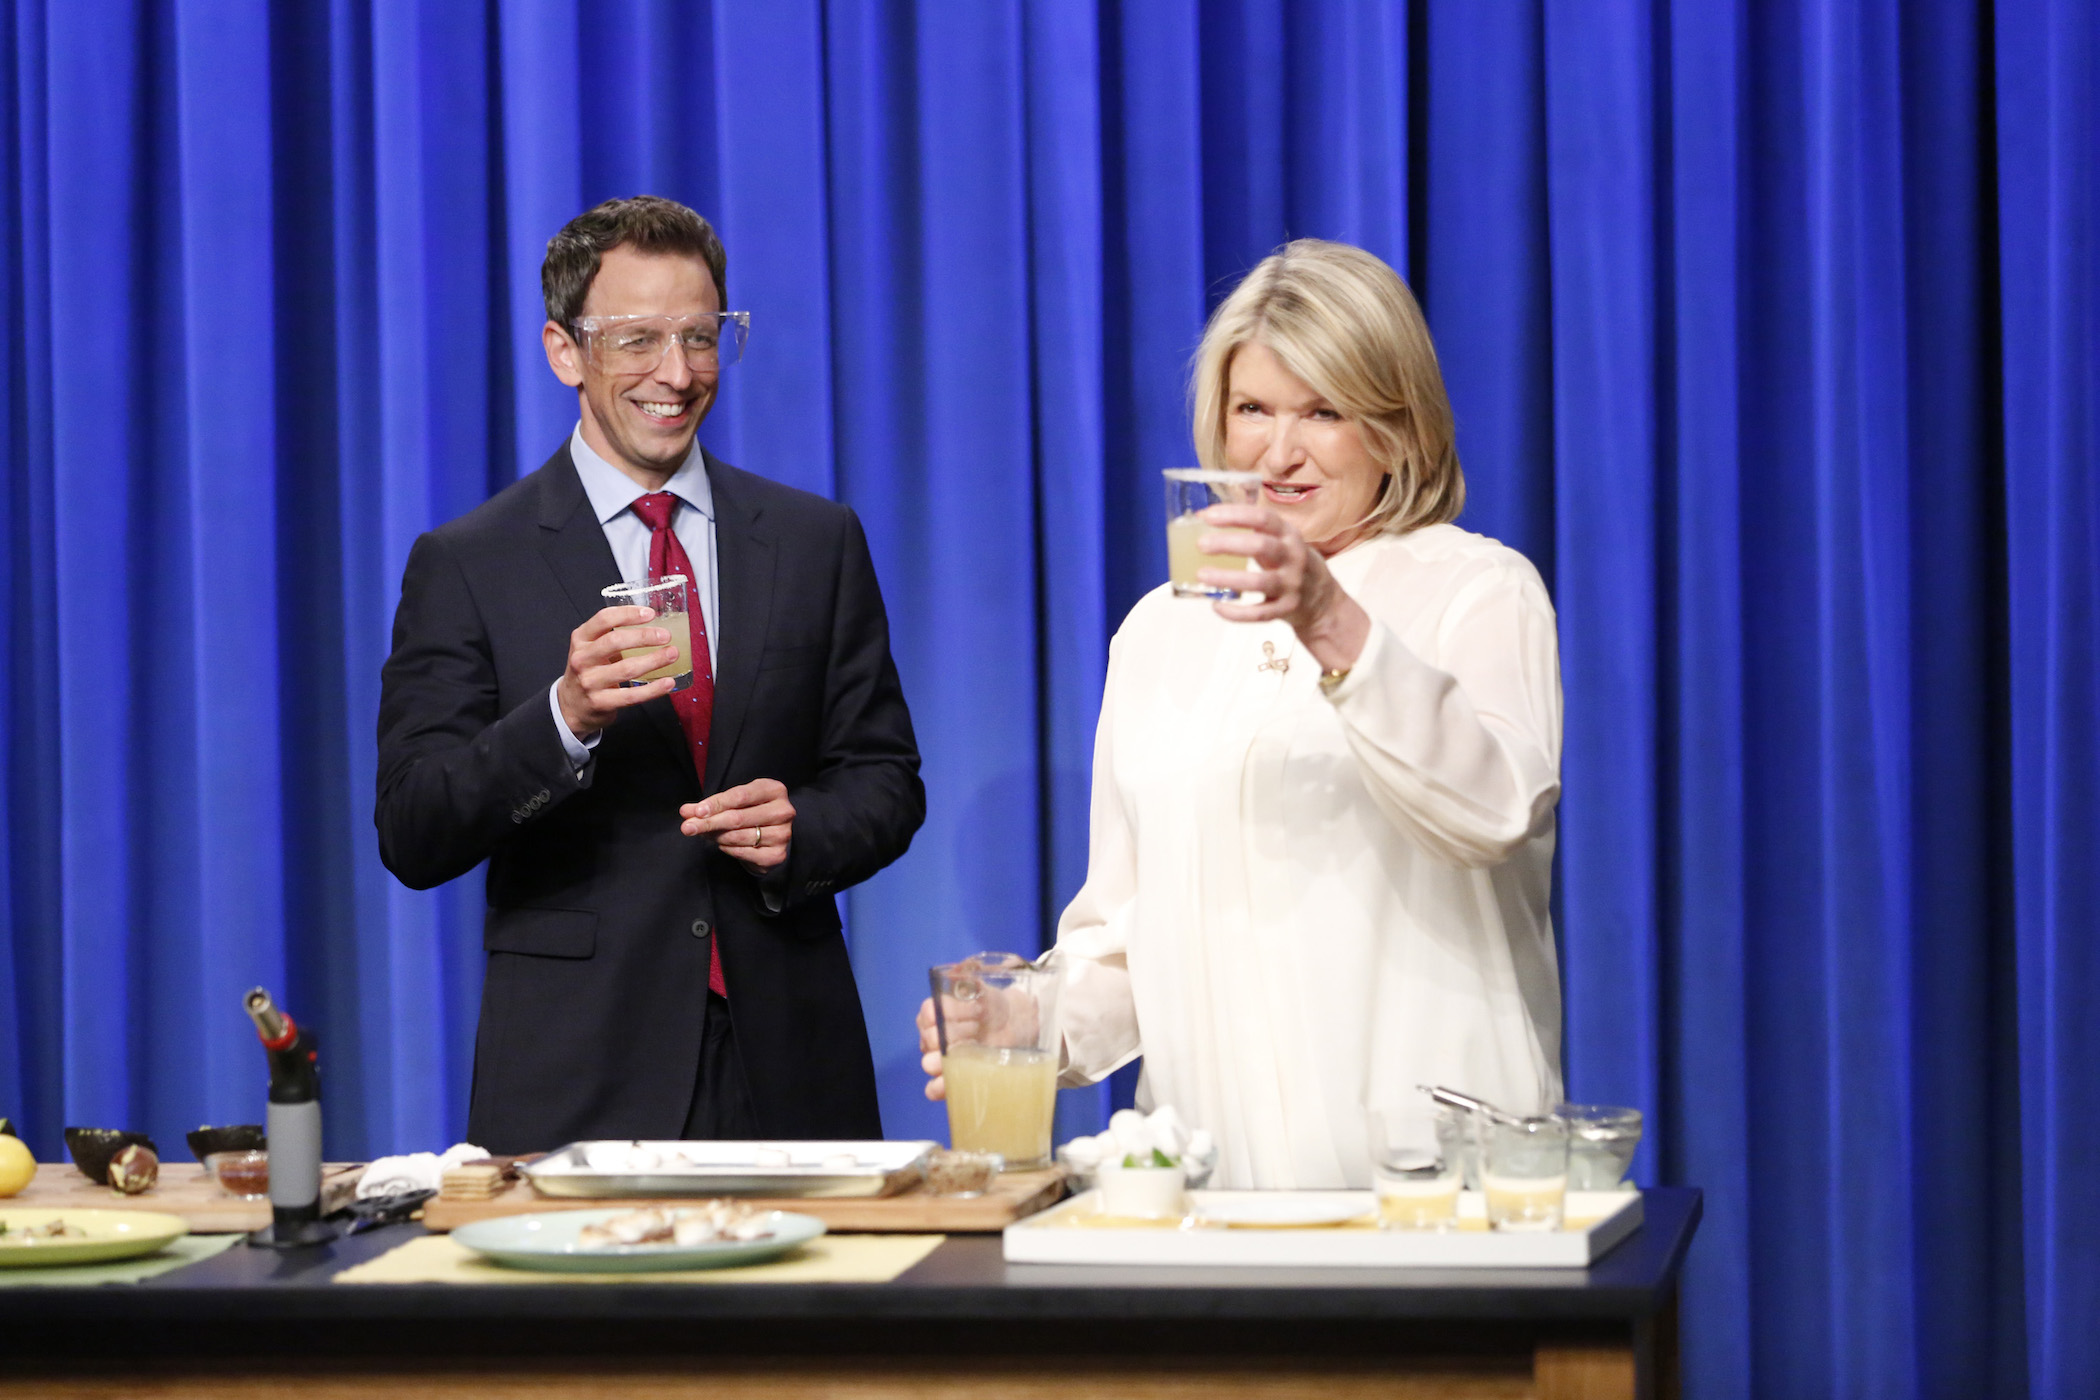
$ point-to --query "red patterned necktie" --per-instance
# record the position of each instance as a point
(696, 703)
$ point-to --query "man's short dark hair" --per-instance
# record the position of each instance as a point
(646, 224)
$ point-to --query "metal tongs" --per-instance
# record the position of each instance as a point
(1452, 1098)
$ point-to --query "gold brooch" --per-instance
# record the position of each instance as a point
(1278, 664)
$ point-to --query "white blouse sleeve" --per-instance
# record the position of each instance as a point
(1096, 1013)
(1463, 756)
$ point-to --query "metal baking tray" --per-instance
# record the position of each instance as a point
(734, 1169)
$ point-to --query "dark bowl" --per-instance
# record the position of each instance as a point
(244, 1137)
(93, 1147)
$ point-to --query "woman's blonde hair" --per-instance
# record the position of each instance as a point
(1344, 322)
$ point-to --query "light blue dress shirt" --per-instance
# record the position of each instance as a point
(612, 495)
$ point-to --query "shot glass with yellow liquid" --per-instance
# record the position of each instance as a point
(667, 596)
(997, 1018)
(1415, 1167)
(1524, 1172)
(1191, 491)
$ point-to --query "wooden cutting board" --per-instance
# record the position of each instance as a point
(183, 1189)
(1013, 1195)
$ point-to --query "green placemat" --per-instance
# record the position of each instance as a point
(190, 1249)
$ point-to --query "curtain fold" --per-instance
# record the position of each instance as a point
(1706, 1074)
(2047, 150)
(1600, 216)
(1772, 333)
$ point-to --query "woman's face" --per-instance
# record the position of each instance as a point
(1316, 468)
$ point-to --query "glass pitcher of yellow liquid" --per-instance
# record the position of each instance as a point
(997, 1017)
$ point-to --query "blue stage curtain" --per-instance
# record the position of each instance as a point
(1772, 331)
(2048, 207)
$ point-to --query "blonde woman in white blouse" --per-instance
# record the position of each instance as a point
(1322, 823)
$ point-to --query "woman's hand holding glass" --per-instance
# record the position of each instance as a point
(1292, 578)
(930, 1053)
(1002, 1018)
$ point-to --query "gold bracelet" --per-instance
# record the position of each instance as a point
(1330, 679)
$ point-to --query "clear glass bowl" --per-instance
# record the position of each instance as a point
(243, 1174)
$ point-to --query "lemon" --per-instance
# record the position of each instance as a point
(16, 1165)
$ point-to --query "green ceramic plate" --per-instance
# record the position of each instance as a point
(105, 1235)
(547, 1240)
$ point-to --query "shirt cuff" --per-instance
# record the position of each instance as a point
(773, 886)
(578, 750)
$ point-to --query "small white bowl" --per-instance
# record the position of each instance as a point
(1085, 1177)
(1144, 1193)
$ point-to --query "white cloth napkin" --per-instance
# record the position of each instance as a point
(414, 1171)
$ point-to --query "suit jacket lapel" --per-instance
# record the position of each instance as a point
(573, 544)
(744, 560)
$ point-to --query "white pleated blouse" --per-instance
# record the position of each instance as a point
(1299, 903)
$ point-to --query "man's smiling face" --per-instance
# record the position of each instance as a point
(641, 423)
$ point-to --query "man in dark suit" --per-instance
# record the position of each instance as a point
(664, 956)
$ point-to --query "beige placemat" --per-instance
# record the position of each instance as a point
(188, 1250)
(830, 1259)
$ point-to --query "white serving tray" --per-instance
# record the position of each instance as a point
(738, 1169)
(1055, 1237)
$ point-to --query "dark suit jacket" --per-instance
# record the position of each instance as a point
(599, 910)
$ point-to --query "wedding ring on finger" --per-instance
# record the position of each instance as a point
(758, 837)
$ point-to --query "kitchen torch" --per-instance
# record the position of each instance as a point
(293, 1126)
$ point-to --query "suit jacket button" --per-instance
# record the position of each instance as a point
(700, 928)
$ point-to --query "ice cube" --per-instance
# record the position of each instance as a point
(1085, 1153)
(1169, 1133)
(1132, 1135)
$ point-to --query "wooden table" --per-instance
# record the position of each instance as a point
(250, 1323)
